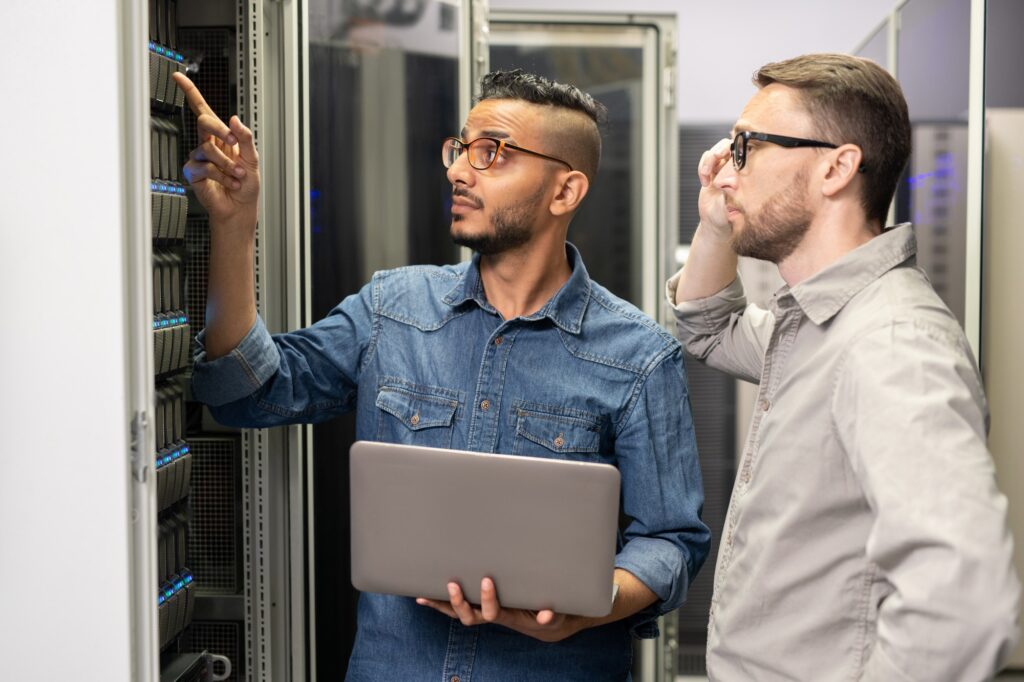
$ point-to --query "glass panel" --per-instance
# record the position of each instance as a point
(933, 47)
(876, 47)
(383, 94)
(608, 227)
(1002, 249)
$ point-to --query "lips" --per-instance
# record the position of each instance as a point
(464, 200)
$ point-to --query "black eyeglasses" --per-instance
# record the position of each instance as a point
(483, 152)
(739, 145)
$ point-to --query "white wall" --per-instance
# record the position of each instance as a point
(722, 43)
(63, 427)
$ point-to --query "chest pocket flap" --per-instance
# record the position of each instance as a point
(558, 433)
(416, 410)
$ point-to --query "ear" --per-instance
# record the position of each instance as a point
(844, 167)
(572, 187)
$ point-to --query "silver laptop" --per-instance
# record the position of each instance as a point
(544, 530)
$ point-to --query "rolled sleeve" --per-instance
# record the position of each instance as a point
(239, 373)
(722, 330)
(666, 542)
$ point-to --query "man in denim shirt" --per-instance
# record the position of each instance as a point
(517, 351)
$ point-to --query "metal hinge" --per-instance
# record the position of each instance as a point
(140, 453)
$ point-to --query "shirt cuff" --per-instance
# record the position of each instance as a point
(659, 564)
(238, 374)
(701, 314)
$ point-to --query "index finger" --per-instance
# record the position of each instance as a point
(711, 161)
(198, 105)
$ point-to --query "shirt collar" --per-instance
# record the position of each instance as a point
(825, 293)
(566, 308)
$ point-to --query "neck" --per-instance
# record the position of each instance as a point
(830, 237)
(519, 282)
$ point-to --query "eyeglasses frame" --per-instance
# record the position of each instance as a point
(781, 140)
(502, 144)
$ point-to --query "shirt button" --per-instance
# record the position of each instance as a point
(765, 404)
(559, 442)
(485, 405)
(415, 419)
(455, 678)
(498, 341)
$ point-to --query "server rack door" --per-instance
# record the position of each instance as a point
(383, 90)
(628, 63)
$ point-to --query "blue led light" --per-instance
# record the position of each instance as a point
(160, 600)
(178, 57)
(178, 585)
(169, 593)
(152, 45)
(163, 188)
(184, 450)
(159, 49)
(188, 578)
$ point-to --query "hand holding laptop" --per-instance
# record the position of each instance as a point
(545, 625)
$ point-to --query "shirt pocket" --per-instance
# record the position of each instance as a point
(421, 416)
(554, 434)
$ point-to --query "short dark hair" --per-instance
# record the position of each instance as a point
(853, 100)
(578, 144)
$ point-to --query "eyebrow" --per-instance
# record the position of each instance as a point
(738, 128)
(497, 134)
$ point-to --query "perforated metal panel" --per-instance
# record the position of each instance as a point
(213, 49)
(223, 638)
(215, 548)
(694, 140)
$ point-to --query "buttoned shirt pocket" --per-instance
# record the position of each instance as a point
(423, 415)
(555, 432)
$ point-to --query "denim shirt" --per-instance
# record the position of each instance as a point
(424, 359)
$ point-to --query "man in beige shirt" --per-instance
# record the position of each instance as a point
(865, 538)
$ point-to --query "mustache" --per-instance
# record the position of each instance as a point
(466, 194)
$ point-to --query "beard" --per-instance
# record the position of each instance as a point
(779, 227)
(511, 225)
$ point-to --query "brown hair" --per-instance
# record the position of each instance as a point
(853, 100)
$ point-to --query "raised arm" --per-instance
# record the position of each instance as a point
(713, 319)
(224, 172)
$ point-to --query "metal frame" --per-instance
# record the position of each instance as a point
(277, 463)
(975, 179)
(255, 447)
(137, 259)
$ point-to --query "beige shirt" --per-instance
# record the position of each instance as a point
(865, 538)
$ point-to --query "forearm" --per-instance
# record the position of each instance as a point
(633, 596)
(231, 298)
(710, 266)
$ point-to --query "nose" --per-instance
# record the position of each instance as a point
(461, 172)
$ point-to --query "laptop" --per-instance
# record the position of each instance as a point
(543, 529)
